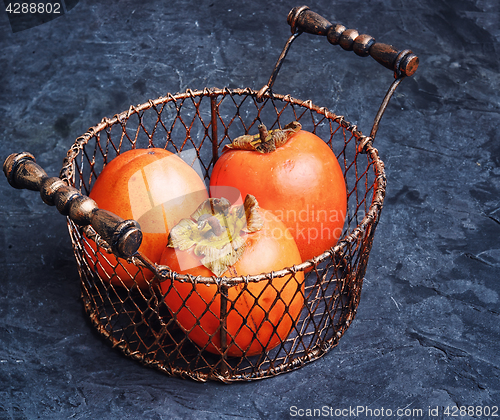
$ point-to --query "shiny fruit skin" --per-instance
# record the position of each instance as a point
(271, 248)
(301, 182)
(157, 189)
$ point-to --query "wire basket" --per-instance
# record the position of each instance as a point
(198, 124)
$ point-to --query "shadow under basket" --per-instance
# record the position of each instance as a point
(197, 125)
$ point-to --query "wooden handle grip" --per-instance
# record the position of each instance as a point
(402, 62)
(123, 236)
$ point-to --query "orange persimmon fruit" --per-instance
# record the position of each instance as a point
(228, 241)
(157, 189)
(292, 173)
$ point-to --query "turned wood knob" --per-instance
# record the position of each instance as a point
(402, 62)
(123, 236)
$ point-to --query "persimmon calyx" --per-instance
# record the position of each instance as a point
(217, 232)
(266, 141)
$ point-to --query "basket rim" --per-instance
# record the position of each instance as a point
(163, 273)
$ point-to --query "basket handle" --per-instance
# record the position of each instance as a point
(404, 62)
(123, 236)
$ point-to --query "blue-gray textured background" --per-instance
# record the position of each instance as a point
(427, 329)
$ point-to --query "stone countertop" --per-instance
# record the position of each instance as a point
(426, 334)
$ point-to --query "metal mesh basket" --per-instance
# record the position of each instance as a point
(197, 125)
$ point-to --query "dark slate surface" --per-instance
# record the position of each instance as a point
(427, 330)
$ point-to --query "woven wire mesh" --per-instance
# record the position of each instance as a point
(138, 321)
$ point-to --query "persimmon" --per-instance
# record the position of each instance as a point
(227, 241)
(292, 173)
(157, 189)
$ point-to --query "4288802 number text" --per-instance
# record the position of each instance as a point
(33, 8)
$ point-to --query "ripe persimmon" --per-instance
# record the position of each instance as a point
(292, 173)
(230, 241)
(157, 189)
